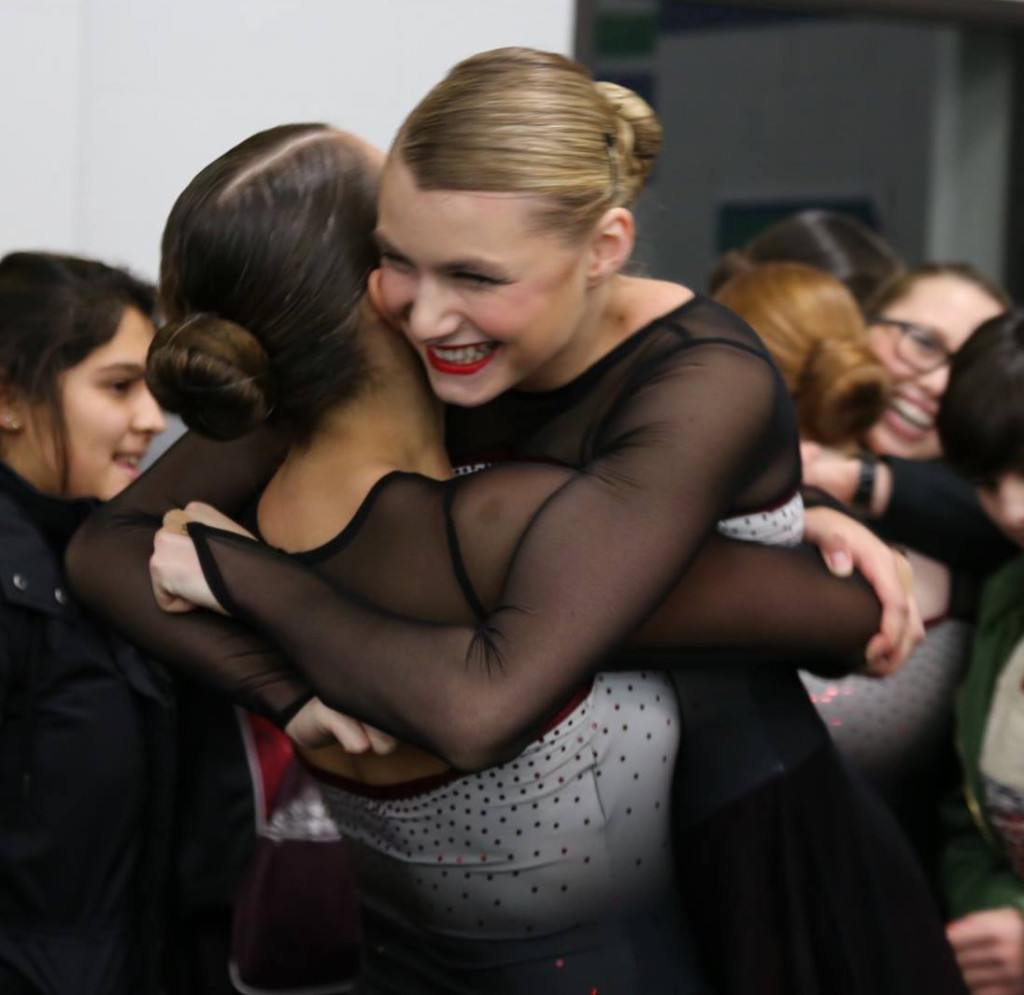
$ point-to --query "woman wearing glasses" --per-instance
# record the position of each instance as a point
(916, 323)
(900, 735)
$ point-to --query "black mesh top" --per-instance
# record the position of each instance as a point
(459, 615)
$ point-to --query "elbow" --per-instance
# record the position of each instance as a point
(479, 739)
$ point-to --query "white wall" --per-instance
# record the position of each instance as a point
(109, 107)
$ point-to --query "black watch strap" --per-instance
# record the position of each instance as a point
(865, 482)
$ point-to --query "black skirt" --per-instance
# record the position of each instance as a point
(806, 886)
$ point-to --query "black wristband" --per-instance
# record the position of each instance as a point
(865, 482)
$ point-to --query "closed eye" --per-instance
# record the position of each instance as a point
(478, 279)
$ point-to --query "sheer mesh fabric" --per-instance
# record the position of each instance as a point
(460, 615)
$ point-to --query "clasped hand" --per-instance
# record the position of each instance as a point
(179, 585)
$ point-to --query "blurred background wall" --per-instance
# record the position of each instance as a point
(908, 122)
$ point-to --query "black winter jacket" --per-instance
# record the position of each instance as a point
(86, 774)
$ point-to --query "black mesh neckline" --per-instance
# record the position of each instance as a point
(348, 533)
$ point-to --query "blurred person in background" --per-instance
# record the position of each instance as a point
(911, 500)
(86, 729)
(897, 732)
(828, 240)
(981, 425)
(898, 480)
(813, 328)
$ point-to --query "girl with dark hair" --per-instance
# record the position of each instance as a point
(85, 724)
(836, 243)
(981, 424)
(551, 868)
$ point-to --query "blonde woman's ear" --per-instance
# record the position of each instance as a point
(611, 244)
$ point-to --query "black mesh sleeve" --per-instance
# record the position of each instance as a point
(936, 512)
(108, 567)
(594, 561)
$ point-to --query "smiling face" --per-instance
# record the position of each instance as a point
(934, 318)
(487, 301)
(109, 415)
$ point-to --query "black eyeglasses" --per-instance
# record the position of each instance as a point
(918, 346)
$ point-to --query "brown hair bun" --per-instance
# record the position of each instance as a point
(638, 135)
(814, 330)
(841, 393)
(213, 373)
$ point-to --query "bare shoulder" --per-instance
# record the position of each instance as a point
(644, 299)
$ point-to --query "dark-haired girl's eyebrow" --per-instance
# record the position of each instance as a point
(384, 247)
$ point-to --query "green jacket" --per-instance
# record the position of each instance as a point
(975, 870)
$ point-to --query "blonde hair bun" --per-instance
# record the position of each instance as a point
(213, 373)
(637, 134)
(516, 120)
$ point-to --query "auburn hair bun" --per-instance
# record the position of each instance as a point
(841, 393)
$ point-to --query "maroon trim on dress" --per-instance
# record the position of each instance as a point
(402, 789)
(422, 785)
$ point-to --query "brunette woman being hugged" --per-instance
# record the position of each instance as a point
(86, 743)
(626, 381)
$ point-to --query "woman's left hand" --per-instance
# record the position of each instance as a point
(179, 584)
(846, 545)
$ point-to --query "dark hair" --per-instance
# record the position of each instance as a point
(837, 243)
(981, 420)
(902, 284)
(265, 258)
(54, 311)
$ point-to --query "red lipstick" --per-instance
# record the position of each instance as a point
(458, 369)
